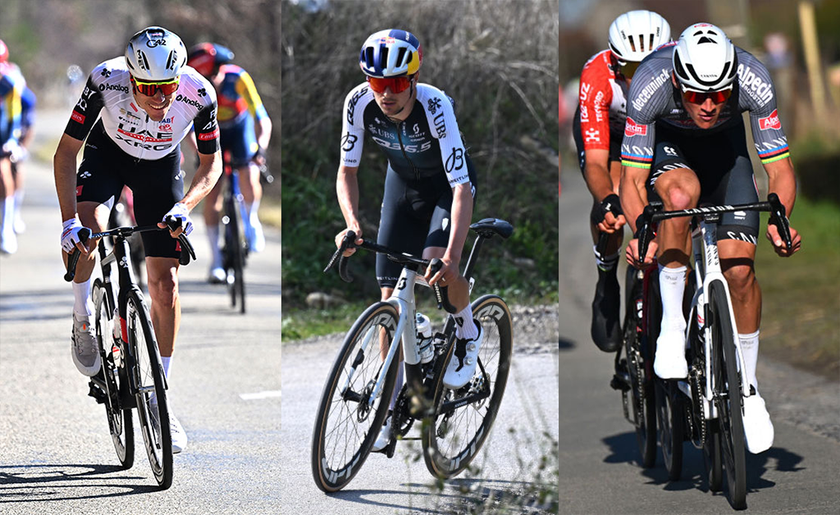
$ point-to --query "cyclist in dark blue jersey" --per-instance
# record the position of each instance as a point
(429, 186)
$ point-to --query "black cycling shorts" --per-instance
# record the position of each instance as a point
(722, 164)
(615, 142)
(157, 185)
(416, 214)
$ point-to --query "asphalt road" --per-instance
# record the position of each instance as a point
(56, 455)
(598, 453)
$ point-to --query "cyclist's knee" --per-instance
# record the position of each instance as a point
(740, 274)
(162, 279)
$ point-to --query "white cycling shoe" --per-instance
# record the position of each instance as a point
(669, 361)
(84, 347)
(384, 436)
(179, 436)
(461, 369)
(758, 428)
(256, 236)
(217, 275)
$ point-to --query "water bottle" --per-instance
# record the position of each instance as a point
(117, 332)
(424, 338)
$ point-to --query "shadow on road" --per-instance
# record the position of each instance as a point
(61, 482)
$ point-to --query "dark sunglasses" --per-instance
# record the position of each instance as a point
(698, 97)
(150, 88)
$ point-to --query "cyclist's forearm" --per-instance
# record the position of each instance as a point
(206, 175)
(632, 193)
(597, 174)
(347, 191)
(462, 209)
(64, 165)
(263, 130)
(782, 182)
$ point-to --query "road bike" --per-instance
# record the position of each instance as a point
(707, 407)
(359, 388)
(132, 374)
(235, 247)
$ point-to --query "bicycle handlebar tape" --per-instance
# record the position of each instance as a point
(84, 234)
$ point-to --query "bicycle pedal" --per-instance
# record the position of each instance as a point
(97, 393)
(619, 383)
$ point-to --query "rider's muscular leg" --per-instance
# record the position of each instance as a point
(166, 301)
(679, 189)
(213, 205)
(737, 259)
(249, 183)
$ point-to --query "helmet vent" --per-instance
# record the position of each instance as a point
(632, 43)
(401, 56)
(383, 51)
(142, 60)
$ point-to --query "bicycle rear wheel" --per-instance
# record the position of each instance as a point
(712, 457)
(120, 423)
(152, 408)
(348, 419)
(234, 253)
(670, 412)
(727, 396)
(463, 418)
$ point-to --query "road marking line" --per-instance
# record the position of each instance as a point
(259, 395)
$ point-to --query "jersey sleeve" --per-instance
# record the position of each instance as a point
(86, 111)
(206, 126)
(247, 90)
(594, 97)
(758, 95)
(352, 127)
(440, 113)
(643, 101)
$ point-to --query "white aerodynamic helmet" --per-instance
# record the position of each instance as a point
(635, 34)
(704, 58)
(155, 54)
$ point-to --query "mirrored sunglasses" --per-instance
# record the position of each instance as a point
(698, 97)
(150, 88)
(396, 84)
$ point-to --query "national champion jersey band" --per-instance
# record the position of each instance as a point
(427, 143)
(108, 93)
(653, 100)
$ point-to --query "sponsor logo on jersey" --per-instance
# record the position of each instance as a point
(632, 128)
(393, 145)
(440, 126)
(166, 127)
(351, 105)
(348, 142)
(79, 191)
(584, 114)
(455, 160)
(207, 136)
(771, 122)
(599, 114)
(189, 101)
(593, 135)
(113, 87)
(647, 92)
(758, 89)
(77, 117)
(434, 105)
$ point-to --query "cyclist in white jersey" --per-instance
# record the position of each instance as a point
(131, 117)
(684, 141)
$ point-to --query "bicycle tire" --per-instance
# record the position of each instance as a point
(727, 396)
(669, 416)
(120, 422)
(235, 259)
(452, 439)
(712, 461)
(347, 426)
(152, 407)
(640, 373)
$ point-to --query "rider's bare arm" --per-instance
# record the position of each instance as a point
(64, 164)
(208, 172)
(462, 208)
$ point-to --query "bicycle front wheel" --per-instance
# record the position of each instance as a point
(640, 366)
(727, 397)
(235, 254)
(349, 417)
(463, 418)
(119, 420)
(670, 412)
(152, 408)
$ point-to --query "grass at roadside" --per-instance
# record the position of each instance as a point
(801, 294)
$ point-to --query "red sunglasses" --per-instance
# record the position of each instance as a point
(396, 84)
(698, 97)
(150, 88)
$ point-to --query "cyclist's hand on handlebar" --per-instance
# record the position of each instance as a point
(70, 236)
(611, 223)
(179, 213)
(631, 253)
(446, 275)
(779, 246)
(340, 236)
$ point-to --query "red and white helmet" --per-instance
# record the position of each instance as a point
(155, 54)
(704, 58)
(635, 34)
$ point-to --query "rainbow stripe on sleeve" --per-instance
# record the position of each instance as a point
(636, 160)
(774, 154)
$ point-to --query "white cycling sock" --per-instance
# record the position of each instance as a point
(605, 263)
(253, 208)
(167, 364)
(213, 238)
(749, 346)
(18, 200)
(82, 304)
(7, 211)
(671, 289)
(465, 327)
(397, 386)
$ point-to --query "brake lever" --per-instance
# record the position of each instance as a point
(84, 234)
(644, 233)
(779, 219)
(441, 292)
(348, 242)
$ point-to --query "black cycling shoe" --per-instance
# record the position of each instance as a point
(606, 328)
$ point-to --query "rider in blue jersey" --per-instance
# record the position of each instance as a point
(429, 186)
(11, 89)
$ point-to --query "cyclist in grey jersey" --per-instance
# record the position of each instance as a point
(684, 142)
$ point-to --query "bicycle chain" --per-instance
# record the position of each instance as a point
(401, 415)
